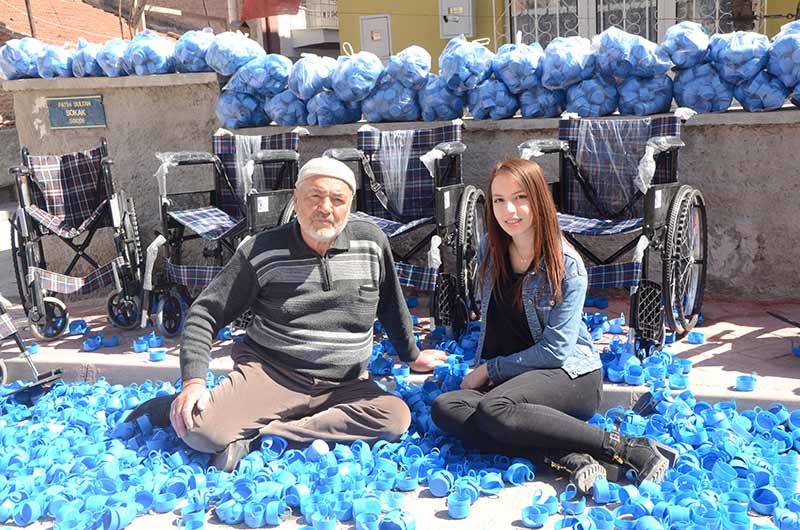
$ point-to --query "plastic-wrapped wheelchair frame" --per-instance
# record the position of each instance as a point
(669, 243)
(67, 197)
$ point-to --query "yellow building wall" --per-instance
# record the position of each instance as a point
(413, 22)
(777, 7)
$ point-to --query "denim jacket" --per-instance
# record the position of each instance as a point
(559, 334)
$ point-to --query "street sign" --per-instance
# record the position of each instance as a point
(76, 112)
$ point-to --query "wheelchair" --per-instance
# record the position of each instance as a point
(66, 197)
(252, 181)
(411, 184)
(620, 177)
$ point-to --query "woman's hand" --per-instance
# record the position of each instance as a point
(478, 378)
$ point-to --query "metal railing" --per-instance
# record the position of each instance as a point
(321, 14)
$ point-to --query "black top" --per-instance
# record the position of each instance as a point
(507, 329)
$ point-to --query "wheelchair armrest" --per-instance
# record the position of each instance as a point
(276, 155)
(535, 148)
(187, 158)
(107, 161)
(345, 154)
(451, 148)
(666, 143)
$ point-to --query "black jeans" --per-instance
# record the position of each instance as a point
(540, 410)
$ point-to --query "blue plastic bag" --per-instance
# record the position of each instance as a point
(286, 109)
(84, 61)
(622, 55)
(149, 53)
(763, 92)
(230, 51)
(55, 62)
(437, 102)
(517, 65)
(191, 49)
(18, 58)
(464, 65)
(791, 27)
(738, 56)
(597, 96)
(325, 109)
(645, 96)
(112, 58)
(541, 102)
(310, 75)
(702, 89)
(410, 67)
(686, 44)
(391, 101)
(263, 77)
(356, 76)
(236, 110)
(492, 100)
(566, 61)
(784, 58)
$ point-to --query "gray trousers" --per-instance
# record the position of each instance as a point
(259, 398)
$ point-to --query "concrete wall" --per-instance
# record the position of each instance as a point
(9, 154)
(743, 163)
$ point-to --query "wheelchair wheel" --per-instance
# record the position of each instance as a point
(3, 374)
(288, 214)
(169, 314)
(123, 310)
(470, 230)
(685, 252)
(54, 321)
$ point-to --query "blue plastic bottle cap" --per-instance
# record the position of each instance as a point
(154, 340)
(33, 348)
(140, 345)
(92, 343)
(157, 354)
(696, 337)
(458, 505)
(78, 327)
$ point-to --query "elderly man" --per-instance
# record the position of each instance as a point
(315, 287)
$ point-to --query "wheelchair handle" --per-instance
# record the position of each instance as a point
(187, 158)
(544, 147)
(451, 148)
(275, 155)
(667, 143)
(19, 170)
(345, 154)
(107, 161)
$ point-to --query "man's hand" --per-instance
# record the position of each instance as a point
(427, 360)
(194, 394)
(478, 378)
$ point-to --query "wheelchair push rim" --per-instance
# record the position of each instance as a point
(685, 255)
(471, 227)
(169, 314)
(54, 321)
(124, 311)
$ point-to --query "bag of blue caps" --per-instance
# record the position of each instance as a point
(784, 58)
(410, 67)
(686, 44)
(597, 96)
(645, 96)
(149, 53)
(236, 110)
(541, 102)
(230, 51)
(18, 58)
(326, 109)
(702, 89)
(517, 65)
(356, 76)
(464, 65)
(287, 109)
(56, 61)
(437, 102)
(620, 54)
(112, 58)
(492, 100)
(310, 75)
(191, 49)
(763, 92)
(738, 56)
(84, 61)
(262, 77)
(566, 61)
(391, 101)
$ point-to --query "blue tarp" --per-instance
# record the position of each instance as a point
(310, 74)
(438, 102)
(702, 89)
(230, 51)
(191, 49)
(517, 65)
(262, 77)
(566, 61)
(464, 65)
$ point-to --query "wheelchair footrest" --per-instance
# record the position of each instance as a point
(648, 317)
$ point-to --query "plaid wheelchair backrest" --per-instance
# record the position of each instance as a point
(68, 186)
(419, 191)
(630, 137)
(224, 146)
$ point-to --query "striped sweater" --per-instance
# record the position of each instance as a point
(313, 314)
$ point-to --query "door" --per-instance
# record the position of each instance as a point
(376, 35)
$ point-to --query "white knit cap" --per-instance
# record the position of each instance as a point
(324, 166)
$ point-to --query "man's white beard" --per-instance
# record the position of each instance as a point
(325, 235)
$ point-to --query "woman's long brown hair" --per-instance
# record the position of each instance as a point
(546, 233)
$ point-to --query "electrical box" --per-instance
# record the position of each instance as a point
(376, 35)
(456, 17)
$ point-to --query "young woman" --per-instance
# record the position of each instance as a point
(541, 379)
